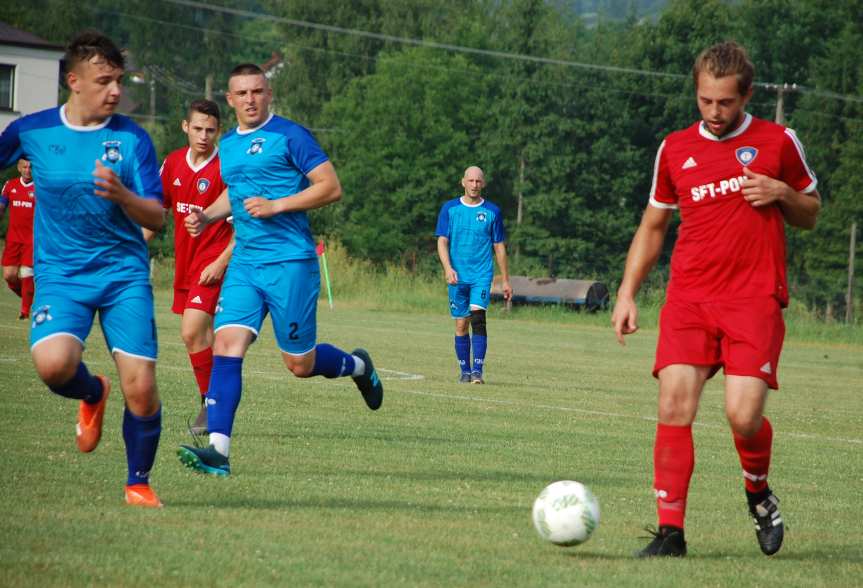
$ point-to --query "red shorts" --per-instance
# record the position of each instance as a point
(744, 337)
(197, 297)
(17, 253)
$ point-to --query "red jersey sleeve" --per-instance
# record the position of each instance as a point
(794, 170)
(662, 193)
(166, 185)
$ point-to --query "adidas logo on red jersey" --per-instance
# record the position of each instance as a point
(689, 163)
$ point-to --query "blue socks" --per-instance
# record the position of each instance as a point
(332, 362)
(82, 386)
(223, 397)
(141, 435)
(462, 352)
(479, 345)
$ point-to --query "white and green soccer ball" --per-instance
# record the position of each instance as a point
(566, 513)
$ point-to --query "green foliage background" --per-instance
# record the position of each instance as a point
(574, 145)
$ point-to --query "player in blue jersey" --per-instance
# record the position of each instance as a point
(275, 171)
(98, 185)
(469, 228)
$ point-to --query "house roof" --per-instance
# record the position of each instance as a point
(9, 35)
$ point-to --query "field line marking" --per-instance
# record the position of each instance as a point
(613, 414)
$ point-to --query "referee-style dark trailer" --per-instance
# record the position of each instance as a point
(579, 293)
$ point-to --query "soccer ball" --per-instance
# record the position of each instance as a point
(566, 513)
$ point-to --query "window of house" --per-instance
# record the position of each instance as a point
(7, 87)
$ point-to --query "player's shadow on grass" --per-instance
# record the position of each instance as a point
(245, 502)
(473, 475)
(837, 553)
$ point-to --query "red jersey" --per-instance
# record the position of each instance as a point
(20, 199)
(187, 188)
(727, 249)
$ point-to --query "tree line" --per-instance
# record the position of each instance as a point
(568, 148)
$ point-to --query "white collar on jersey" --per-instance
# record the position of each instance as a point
(263, 124)
(203, 164)
(480, 203)
(747, 120)
(26, 184)
(66, 122)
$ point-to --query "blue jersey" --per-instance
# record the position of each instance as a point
(471, 230)
(270, 161)
(76, 233)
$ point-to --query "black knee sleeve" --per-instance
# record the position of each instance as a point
(477, 322)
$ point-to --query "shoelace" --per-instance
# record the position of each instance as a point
(197, 439)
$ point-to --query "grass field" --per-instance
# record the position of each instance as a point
(436, 488)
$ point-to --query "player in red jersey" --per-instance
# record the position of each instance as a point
(736, 180)
(191, 180)
(19, 195)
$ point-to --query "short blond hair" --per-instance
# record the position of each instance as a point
(726, 59)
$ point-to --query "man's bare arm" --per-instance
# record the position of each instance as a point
(643, 254)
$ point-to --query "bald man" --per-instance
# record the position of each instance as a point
(469, 228)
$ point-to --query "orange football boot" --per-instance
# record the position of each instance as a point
(89, 428)
(142, 495)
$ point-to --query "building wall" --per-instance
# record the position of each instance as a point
(36, 80)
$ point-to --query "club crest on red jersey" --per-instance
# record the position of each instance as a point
(202, 185)
(746, 155)
(112, 151)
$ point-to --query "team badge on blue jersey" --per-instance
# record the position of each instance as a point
(257, 146)
(41, 315)
(202, 185)
(480, 216)
(746, 155)
(112, 151)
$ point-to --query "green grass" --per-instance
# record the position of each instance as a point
(435, 489)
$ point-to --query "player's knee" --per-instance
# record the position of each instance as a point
(55, 372)
(139, 391)
(477, 322)
(193, 338)
(300, 366)
(744, 425)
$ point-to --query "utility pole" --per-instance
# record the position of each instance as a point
(849, 294)
(152, 101)
(519, 214)
(781, 90)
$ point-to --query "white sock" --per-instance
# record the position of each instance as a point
(221, 443)
(359, 366)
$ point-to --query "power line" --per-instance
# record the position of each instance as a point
(486, 52)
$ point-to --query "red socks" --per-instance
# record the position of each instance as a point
(27, 291)
(673, 462)
(202, 365)
(754, 455)
(15, 287)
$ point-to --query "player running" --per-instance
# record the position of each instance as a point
(191, 180)
(98, 185)
(736, 180)
(19, 195)
(468, 229)
(275, 172)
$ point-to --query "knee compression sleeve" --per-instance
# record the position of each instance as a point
(477, 322)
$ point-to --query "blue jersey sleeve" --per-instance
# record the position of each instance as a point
(10, 145)
(498, 234)
(442, 229)
(148, 183)
(304, 150)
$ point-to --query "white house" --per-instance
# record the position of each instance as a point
(29, 73)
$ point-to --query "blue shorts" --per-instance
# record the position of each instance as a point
(125, 313)
(287, 290)
(463, 297)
